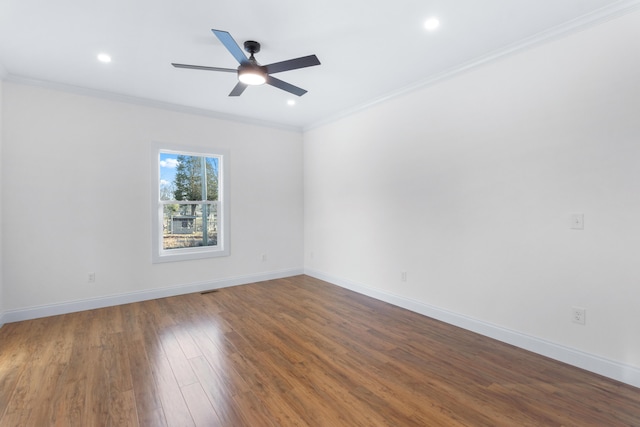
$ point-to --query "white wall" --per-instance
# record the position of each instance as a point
(468, 186)
(77, 180)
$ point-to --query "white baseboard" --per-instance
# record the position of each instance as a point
(92, 303)
(615, 370)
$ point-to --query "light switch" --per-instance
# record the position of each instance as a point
(577, 221)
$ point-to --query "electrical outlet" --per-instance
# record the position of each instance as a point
(578, 315)
(91, 278)
(403, 276)
(577, 221)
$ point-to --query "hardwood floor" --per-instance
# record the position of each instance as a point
(288, 352)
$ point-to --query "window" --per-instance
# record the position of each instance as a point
(190, 203)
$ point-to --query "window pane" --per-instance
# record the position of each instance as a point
(212, 178)
(183, 225)
(182, 177)
(168, 164)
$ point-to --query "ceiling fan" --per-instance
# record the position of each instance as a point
(250, 72)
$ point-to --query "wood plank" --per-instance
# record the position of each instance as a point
(217, 392)
(177, 359)
(175, 408)
(148, 405)
(200, 407)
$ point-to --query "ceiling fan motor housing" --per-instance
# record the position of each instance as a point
(252, 67)
(252, 46)
(251, 72)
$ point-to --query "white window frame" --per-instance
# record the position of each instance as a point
(158, 254)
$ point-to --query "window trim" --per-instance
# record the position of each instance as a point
(159, 255)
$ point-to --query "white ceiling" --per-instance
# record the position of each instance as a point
(369, 50)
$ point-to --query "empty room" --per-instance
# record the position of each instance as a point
(410, 213)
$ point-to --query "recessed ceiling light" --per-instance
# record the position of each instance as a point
(103, 57)
(291, 102)
(431, 24)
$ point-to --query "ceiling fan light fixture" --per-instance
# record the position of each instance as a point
(252, 76)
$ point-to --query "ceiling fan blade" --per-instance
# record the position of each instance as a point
(201, 67)
(238, 89)
(231, 46)
(285, 86)
(293, 64)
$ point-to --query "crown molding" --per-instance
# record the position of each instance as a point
(592, 19)
(145, 102)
